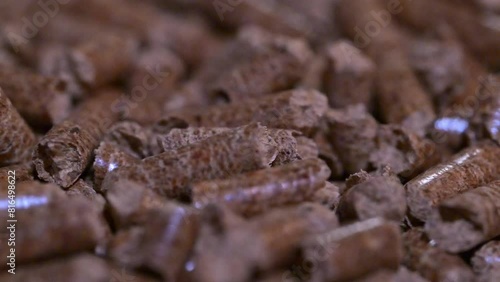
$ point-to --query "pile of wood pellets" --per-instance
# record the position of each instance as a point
(241, 141)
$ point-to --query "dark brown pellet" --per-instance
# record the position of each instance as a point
(349, 78)
(355, 250)
(66, 150)
(45, 214)
(262, 190)
(240, 150)
(296, 109)
(466, 170)
(41, 100)
(16, 137)
(23, 172)
(377, 196)
(460, 223)
(433, 263)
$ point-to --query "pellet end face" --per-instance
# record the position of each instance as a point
(56, 163)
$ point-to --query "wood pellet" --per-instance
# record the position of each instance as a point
(250, 141)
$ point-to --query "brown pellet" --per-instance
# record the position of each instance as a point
(41, 100)
(279, 66)
(45, 214)
(432, 263)
(400, 97)
(240, 150)
(460, 223)
(350, 76)
(485, 123)
(352, 251)
(466, 170)
(306, 147)
(296, 109)
(66, 150)
(328, 195)
(16, 137)
(377, 196)
(402, 275)
(129, 203)
(256, 192)
(23, 172)
(109, 157)
(131, 137)
(478, 38)
(84, 190)
(352, 134)
(487, 258)
(404, 151)
(180, 137)
(103, 59)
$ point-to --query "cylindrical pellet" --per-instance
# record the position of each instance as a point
(240, 150)
(261, 190)
(65, 151)
(16, 137)
(432, 263)
(460, 223)
(41, 100)
(296, 109)
(45, 214)
(355, 250)
(468, 169)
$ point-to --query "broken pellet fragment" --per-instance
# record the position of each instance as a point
(298, 109)
(352, 251)
(258, 191)
(132, 138)
(432, 263)
(240, 150)
(349, 78)
(377, 196)
(460, 223)
(41, 100)
(51, 217)
(16, 137)
(466, 170)
(65, 151)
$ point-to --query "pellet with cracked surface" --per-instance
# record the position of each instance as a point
(16, 137)
(256, 192)
(355, 250)
(84, 190)
(468, 169)
(460, 223)
(432, 263)
(41, 100)
(134, 139)
(66, 150)
(51, 217)
(295, 109)
(240, 150)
